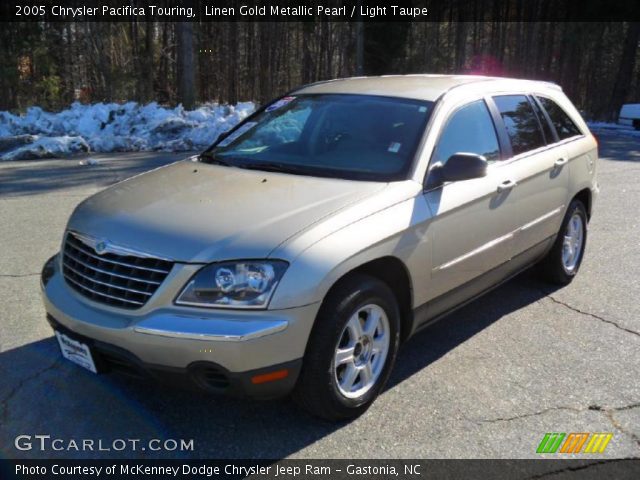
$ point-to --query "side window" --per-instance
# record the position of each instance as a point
(561, 121)
(468, 130)
(542, 118)
(521, 123)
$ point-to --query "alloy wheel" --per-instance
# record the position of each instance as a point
(362, 351)
(573, 243)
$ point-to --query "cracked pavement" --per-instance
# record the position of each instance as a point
(488, 382)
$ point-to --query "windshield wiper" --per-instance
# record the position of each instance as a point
(209, 157)
(280, 167)
(275, 167)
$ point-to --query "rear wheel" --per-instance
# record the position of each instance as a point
(563, 261)
(351, 350)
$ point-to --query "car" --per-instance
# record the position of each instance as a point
(298, 252)
(630, 115)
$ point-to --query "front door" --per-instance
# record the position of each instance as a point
(473, 220)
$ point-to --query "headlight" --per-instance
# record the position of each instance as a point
(247, 284)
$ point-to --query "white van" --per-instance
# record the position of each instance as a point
(630, 115)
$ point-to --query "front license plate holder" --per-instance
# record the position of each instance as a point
(76, 352)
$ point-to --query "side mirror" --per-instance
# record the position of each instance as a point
(463, 166)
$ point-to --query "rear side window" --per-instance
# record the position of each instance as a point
(521, 123)
(469, 130)
(561, 121)
(546, 127)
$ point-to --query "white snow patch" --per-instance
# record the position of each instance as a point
(47, 147)
(110, 127)
(89, 161)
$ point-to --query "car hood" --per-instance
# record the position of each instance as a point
(194, 212)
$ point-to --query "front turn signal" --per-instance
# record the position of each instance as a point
(270, 377)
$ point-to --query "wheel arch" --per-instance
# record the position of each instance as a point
(585, 197)
(395, 274)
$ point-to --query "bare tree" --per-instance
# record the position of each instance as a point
(48, 64)
(186, 69)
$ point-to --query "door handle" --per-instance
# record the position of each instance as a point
(506, 185)
(561, 161)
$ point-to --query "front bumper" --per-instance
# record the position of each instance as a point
(187, 343)
(205, 375)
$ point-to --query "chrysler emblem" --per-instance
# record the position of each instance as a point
(101, 247)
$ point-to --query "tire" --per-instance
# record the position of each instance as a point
(558, 266)
(335, 393)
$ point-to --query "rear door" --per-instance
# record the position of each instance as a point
(537, 166)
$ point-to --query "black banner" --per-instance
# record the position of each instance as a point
(620, 469)
(317, 10)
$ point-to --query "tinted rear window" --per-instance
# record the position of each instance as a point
(521, 123)
(546, 128)
(561, 121)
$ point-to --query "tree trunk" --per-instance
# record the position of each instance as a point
(359, 46)
(460, 46)
(232, 64)
(265, 61)
(147, 74)
(307, 59)
(186, 70)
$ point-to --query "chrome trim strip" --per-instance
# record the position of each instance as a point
(109, 273)
(207, 329)
(116, 249)
(105, 283)
(103, 294)
(544, 217)
(480, 249)
(97, 257)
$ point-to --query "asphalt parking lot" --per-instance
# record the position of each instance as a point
(488, 382)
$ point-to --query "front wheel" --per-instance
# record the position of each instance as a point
(351, 350)
(561, 264)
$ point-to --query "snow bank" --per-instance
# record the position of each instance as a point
(113, 127)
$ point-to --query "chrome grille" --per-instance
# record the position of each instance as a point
(125, 281)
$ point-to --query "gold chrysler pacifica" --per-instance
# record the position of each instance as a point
(304, 246)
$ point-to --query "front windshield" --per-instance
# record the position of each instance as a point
(347, 136)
